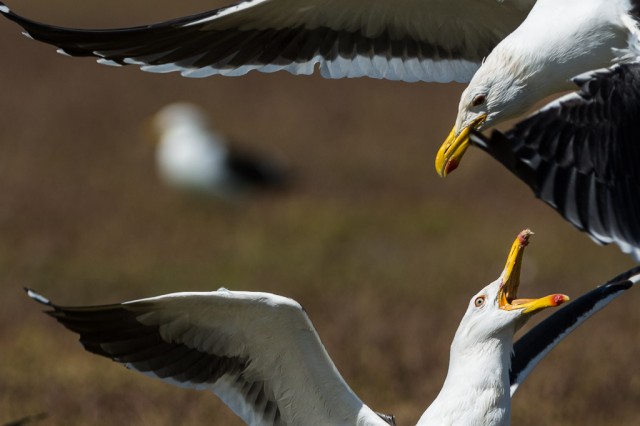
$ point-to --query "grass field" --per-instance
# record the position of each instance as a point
(382, 253)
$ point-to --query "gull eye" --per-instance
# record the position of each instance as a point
(479, 301)
(478, 100)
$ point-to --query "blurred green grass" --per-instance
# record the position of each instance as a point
(382, 253)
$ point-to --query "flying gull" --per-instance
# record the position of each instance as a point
(261, 355)
(192, 156)
(513, 52)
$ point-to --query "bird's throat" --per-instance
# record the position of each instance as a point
(476, 390)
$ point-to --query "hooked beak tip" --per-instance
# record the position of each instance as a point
(454, 147)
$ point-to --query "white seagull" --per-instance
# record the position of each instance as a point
(192, 156)
(261, 355)
(513, 52)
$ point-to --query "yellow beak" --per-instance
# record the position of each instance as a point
(511, 281)
(454, 147)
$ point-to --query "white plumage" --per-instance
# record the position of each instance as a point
(261, 355)
(558, 40)
(192, 156)
(189, 154)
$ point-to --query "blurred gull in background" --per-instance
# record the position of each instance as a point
(192, 156)
(262, 356)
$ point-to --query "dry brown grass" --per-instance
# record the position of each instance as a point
(381, 252)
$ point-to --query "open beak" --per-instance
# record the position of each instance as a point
(453, 148)
(511, 281)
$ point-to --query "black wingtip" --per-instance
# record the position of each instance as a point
(36, 296)
(547, 334)
(8, 13)
(5, 11)
(615, 287)
(625, 276)
(622, 282)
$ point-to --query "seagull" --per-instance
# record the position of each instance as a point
(513, 53)
(261, 355)
(191, 156)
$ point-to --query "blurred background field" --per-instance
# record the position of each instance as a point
(382, 253)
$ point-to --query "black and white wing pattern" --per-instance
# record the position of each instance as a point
(258, 352)
(411, 40)
(529, 350)
(581, 154)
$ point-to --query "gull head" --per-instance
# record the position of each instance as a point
(476, 390)
(496, 93)
(497, 308)
(179, 115)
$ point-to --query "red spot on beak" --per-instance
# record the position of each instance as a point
(559, 299)
(523, 237)
(451, 166)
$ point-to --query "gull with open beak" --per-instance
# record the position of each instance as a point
(261, 355)
(477, 388)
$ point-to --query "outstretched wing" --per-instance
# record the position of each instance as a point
(529, 350)
(411, 40)
(257, 351)
(580, 154)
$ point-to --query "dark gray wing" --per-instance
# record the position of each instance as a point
(417, 40)
(581, 155)
(529, 350)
